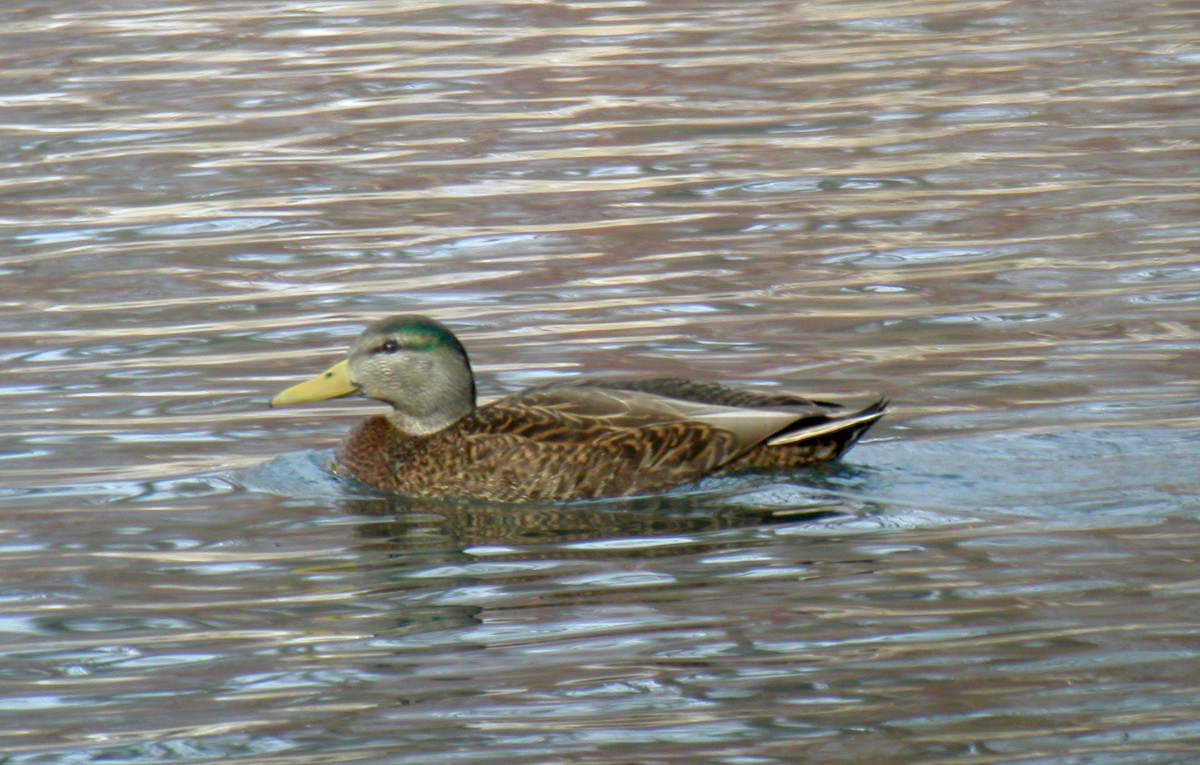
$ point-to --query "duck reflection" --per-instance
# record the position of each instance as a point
(415, 523)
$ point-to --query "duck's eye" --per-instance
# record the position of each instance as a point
(389, 346)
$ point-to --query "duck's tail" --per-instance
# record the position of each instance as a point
(850, 426)
(810, 440)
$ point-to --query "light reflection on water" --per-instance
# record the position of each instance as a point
(985, 210)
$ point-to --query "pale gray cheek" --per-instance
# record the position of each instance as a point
(399, 371)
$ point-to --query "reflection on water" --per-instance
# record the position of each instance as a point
(984, 209)
(408, 526)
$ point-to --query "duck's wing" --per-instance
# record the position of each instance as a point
(824, 428)
(587, 411)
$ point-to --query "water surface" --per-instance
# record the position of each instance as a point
(986, 210)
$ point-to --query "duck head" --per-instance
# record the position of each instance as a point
(413, 363)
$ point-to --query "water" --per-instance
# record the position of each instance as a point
(986, 210)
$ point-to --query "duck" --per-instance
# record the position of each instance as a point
(577, 439)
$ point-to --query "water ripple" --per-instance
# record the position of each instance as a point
(985, 209)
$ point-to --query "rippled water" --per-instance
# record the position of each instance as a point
(987, 210)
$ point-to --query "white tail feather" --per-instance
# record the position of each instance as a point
(832, 426)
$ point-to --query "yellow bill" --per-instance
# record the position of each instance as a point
(331, 383)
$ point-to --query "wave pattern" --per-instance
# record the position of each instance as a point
(984, 208)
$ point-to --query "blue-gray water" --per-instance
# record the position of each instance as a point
(987, 210)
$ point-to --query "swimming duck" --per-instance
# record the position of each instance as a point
(580, 439)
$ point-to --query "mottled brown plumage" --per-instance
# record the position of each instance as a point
(575, 440)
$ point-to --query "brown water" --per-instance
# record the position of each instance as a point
(987, 210)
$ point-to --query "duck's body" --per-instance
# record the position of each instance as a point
(578, 440)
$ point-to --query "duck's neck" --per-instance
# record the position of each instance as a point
(426, 425)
